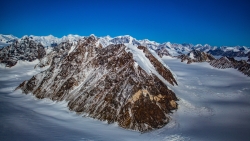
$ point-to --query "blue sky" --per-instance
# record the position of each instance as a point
(214, 22)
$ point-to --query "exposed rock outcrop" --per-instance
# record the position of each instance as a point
(107, 84)
(196, 56)
(162, 52)
(226, 62)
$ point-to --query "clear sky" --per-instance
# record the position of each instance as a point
(214, 22)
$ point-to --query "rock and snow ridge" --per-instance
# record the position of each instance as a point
(121, 83)
(174, 49)
(23, 49)
(221, 63)
(196, 56)
(198, 53)
(227, 62)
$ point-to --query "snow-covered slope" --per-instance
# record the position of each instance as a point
(6, 40)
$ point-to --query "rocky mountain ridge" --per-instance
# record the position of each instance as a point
(196, 56)
(174, 49)
(127, 85)
(23, 49)
(227, 62)
(221, 63)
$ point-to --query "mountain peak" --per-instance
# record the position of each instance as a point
(122, 83)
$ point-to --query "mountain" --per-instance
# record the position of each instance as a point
(10, 54)
(222, 63)
(6, 40)
(120, 83)
(167, 48)
(196, 56)
(29, 48)
(227, 62)
(230, 51)
(51, 41)
(22, 49)
(162, 52)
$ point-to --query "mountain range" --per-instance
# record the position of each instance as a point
(11, 53)
(118, 80)
(174, 49)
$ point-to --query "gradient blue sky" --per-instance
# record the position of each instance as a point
(215, 22)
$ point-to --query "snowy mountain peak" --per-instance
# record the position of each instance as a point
(7, 37)
(6, 40)
(172, 49)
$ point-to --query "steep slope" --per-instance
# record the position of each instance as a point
(23, 49)
(196, 56)
(110, 84)
(226, 62)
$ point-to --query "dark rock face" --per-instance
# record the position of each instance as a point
(105, 83)
(26, 50)
(196, 56)
(226, 62)
(163, 52)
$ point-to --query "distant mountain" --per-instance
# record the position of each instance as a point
(51, 41)
(123, 83)
(22, 49)
(29, 48)
(172, 49)
(6, 40)
(196, 56)
(226, 62)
